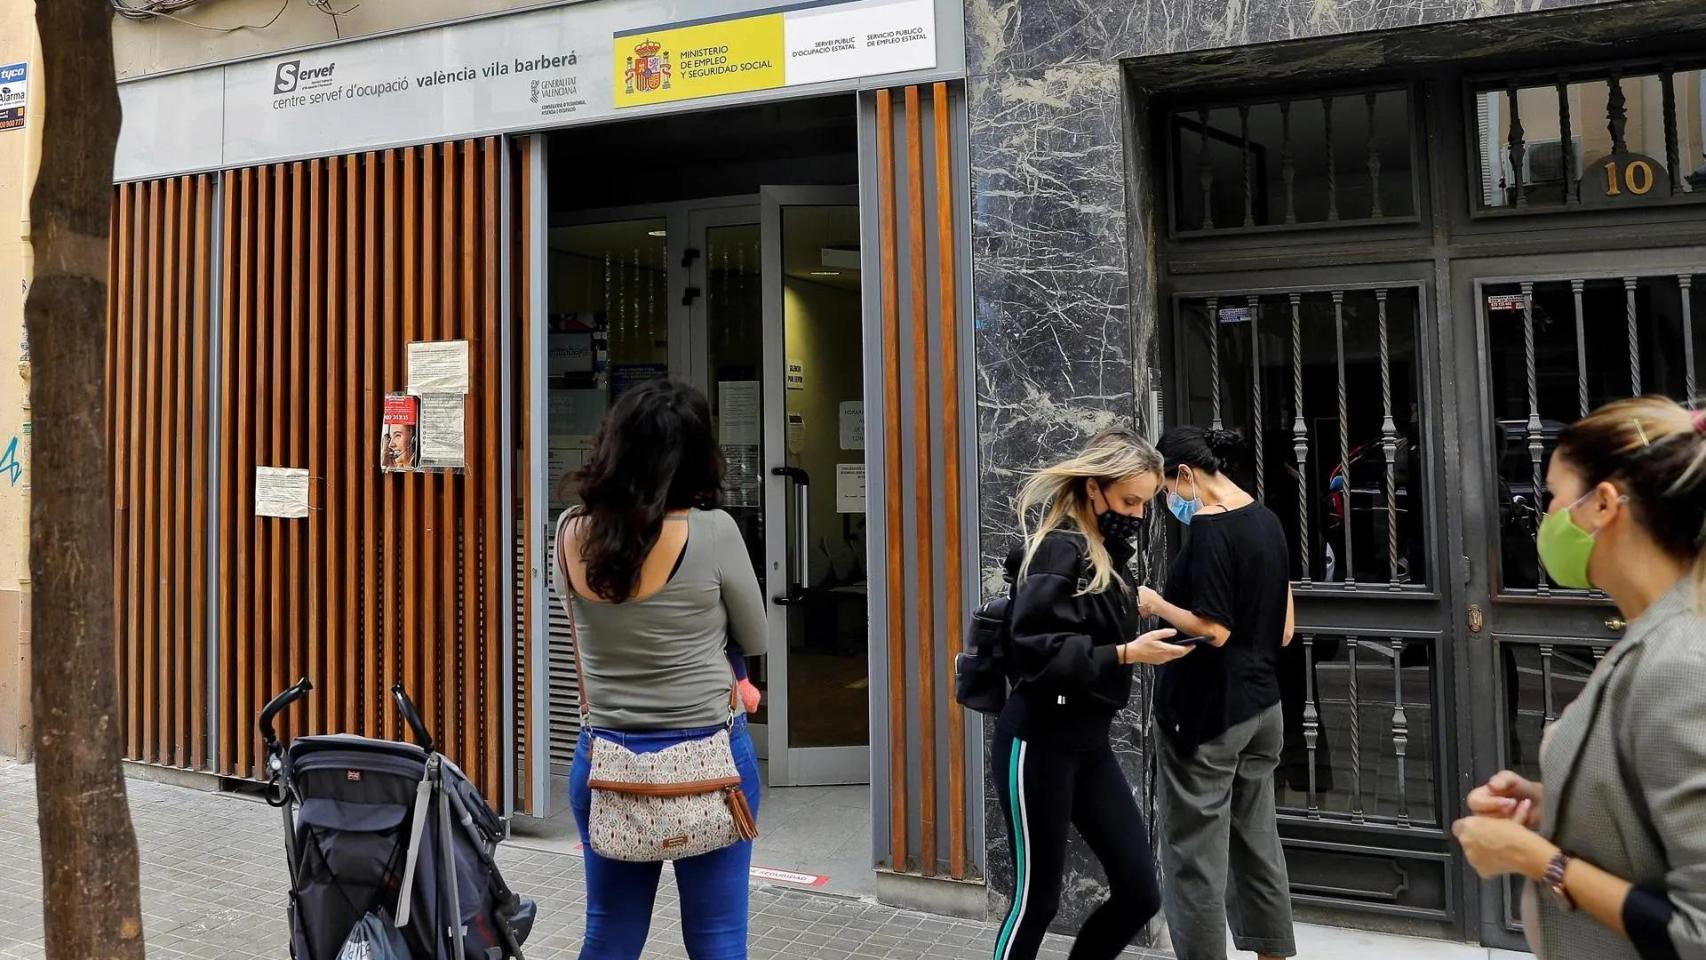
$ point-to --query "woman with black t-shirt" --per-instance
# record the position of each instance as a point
(1075, 640)
(1218, 712)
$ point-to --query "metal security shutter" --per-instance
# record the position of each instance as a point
(565, 706)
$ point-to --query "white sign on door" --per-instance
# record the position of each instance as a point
(849, 488)
(852, 424)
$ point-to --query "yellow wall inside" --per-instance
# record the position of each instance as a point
(18, 152)
(823, 333)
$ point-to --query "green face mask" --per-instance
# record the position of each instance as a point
(1566, 548)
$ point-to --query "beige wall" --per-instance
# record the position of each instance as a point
(18, 150)
(141, 48)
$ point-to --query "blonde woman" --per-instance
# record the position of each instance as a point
(1613, 839)
(1075, 641)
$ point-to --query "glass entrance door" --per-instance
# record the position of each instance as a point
(815, 461)
(777, 343)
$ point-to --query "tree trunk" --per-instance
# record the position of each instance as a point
(91, 901)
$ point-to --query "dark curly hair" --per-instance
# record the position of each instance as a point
(1207, 451)
(655, 453)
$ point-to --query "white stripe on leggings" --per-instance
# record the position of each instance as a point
(1023, 884)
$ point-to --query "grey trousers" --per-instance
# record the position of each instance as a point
(1221, 859)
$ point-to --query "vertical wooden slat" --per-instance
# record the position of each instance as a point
(354, 328)
(340, 675)
(243, 471)
(165, 463)
(279, 391)
(891, 462)
(260, 375)
(443, 538)
(377, 703)
(171, 434)
(947, 312)
(123, 597)
(491, 483)
(424, 328)
(924, 498)
(316, 638)
(406, 597)
(473, 671)
(394, 241)
(229, 365)
(293, 582)
(201, 382)
(151, 486)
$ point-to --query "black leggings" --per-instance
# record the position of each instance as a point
(1087, 790)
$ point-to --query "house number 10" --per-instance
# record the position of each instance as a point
(1638, 178)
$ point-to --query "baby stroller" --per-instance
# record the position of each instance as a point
(356, 818)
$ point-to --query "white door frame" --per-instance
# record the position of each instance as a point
(790, 765)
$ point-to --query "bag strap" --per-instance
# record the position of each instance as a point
(575, 640)
(569, 604)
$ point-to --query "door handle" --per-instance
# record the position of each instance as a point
(1615, 624)
(796, 590)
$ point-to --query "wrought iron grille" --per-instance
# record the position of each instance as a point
(1325, 386)
(1360, 741)
(1555, 350)
(1541, 678)
(1335, 160)
(1607, 137)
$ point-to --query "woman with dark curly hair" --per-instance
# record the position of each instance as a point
(659, 584)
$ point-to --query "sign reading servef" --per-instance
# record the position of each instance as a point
(292, 75)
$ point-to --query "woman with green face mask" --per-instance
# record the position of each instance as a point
(1613, 838)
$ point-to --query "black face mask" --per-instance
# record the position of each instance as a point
(1119, 526)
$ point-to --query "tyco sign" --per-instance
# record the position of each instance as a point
(13, 95)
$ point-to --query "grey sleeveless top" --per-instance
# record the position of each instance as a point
(660, 663)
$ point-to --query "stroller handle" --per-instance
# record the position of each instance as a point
(412, 717)
(278, 706)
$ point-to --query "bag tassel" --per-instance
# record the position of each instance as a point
(745, 825)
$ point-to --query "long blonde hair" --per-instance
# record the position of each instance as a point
(1061, 493)
(1655, 448)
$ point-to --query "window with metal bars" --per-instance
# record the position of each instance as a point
(1558, 348)
(1325, 386)
(1590, 139)
(1340, 159)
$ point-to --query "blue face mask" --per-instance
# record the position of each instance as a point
(1183, 510)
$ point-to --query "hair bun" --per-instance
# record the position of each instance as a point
(1223, 442)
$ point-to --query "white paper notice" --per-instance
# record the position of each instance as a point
(796, 375)
(738, 413)
(849, 488)
(576, 413)
(852, 424)
(443, 445)
(281, 492)
(796, 431)
(438, 367)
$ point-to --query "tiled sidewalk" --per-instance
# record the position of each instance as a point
(213, 881)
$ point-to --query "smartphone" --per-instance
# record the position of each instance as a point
(1203, 641)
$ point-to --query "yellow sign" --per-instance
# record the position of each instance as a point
(701, 60)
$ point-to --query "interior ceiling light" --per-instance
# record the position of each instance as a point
(826, 273)
(657, 233)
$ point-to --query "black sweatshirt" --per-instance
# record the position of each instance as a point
(1071, 681)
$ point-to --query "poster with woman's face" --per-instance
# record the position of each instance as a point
(400, 447)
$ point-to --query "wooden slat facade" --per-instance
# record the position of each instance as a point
(923, 806)
(258, 317)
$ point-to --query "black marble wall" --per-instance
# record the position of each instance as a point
(1062, 260)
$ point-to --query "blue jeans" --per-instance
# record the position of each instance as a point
(712, 886)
